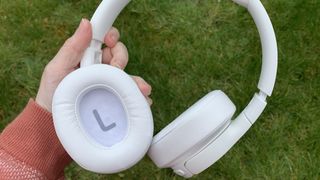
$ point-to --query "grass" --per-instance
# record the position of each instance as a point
(185, 49)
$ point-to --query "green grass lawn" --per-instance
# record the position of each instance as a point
(185, 49)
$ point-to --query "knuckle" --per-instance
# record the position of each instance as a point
(122, 46)
(68, 42)
(70, 45)
(138, 78)
(48, 69)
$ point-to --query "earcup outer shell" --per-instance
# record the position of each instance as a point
(196, 124)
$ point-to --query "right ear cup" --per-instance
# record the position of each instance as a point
(202, 122)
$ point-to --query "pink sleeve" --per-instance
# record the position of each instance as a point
(29, 147)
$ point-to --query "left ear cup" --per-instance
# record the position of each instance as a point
(201, 123)
(94, 106)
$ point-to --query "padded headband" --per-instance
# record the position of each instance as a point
(108, 11)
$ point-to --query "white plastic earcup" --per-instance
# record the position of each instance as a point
(216, 148)
(196, 126)
(102, 119)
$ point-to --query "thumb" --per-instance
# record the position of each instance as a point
(69, 56)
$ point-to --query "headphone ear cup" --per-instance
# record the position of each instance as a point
(94, 106)
(192, 129)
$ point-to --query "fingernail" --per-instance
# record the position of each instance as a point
(116, 65)
(81, 26)
(150, 101)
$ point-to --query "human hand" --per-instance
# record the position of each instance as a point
(69, 56)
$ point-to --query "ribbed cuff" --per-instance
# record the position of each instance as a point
(31, 138)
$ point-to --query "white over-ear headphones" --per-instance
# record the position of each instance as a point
(105, 124)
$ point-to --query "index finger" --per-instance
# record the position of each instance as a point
(112, 37)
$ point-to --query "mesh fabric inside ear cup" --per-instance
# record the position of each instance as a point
(79, 144)
(200, 122)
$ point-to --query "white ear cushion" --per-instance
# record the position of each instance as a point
(88, 154)
(201, 121)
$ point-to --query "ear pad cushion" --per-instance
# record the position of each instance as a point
(94, 106)
(206, 118)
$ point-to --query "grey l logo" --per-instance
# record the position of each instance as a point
(100, 122)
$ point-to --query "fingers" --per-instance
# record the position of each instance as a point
(149, 100)
(112, 37)
(116, 53)
(69, 56)
(144, 87)
(117, 56)
(106, 55)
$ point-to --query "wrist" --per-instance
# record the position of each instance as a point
(42, 103)
(31, 138)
